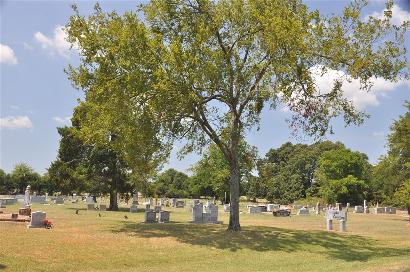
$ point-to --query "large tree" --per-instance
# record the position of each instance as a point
(203, 70)
(393, 169)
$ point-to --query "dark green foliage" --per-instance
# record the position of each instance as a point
(171, 183)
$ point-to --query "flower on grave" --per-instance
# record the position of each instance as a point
(47, 224)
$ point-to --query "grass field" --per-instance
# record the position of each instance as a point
(87, 242)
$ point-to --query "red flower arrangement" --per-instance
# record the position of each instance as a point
(47, 224)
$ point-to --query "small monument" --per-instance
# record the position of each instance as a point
(150, 217)
(163, 217)
(366, 208)
(134, 205)
(27, 201)
(37, 219)
(318, 208)
(339, 206)
(303, 211)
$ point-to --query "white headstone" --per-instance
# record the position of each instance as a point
(27, 196)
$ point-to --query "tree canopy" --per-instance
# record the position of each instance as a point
(203, 70)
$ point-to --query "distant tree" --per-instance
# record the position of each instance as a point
(171, 183)
(343, 176)
(91, 167)
(393, 169)
(402, 195)
(22, 176)
(287, 173)
(5, 184)
(203, 70)
(213, 169)
(344, 190)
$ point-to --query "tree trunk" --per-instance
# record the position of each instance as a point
(113, 201)
(234, 185)
(234, 197)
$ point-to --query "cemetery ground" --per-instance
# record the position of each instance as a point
(87, 242)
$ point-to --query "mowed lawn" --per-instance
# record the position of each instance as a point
(87, 242)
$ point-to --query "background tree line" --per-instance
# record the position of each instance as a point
(324, 170)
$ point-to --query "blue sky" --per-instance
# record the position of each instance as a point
(36, 96)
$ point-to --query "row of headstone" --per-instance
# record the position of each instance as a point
(151, 216)
(254, 209)
(205, 214)
(272, 207)
(387, 210)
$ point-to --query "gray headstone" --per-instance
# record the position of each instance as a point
(390, 210)
(103, 207)
(59, 200)
(134, 208)
(150, 217)
(197, 213)
(358, 209)
(157, 208)
(37, 219)
(163, 216)
(227, 208)
(90, 207)
(303, 211)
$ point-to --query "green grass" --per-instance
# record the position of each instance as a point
(87, 242)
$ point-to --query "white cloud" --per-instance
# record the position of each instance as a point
(352, 91)
(15, 122)
(62, 120)
(7, 55)
(55, 44)
(399, 15)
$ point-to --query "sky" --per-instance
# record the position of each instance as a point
(36, 96)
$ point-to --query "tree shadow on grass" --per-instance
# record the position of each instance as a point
(2, 266)
(259, 238)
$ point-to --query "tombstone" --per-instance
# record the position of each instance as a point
(163, 216)
(197, 213)
(173, 202)
(14, 216)
(38, 199)
(151, 201)
(342, 225)
(90, 207)
(366, 208)
(378, 210)
(196, 201)
(254, 209)
(1, 204)
(213, 213)
(90, 200)
(46, 198)
(318, 208)
(59, 200)
(339, 206)
(37, 219)
(180, 204)
(390, 210)
(150, 217)
(103, 207)
(263, 208)
(25, 211)
(272, 207)
(162, 202)
(135, 199)
(358, 209)
(134, 208)
(147, 207)
(157, 208)
(227, 207)
(329, 224)
(303, 211)
(27, 197)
